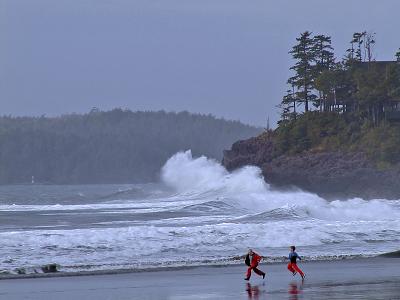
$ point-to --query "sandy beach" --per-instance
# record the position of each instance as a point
(374, 278)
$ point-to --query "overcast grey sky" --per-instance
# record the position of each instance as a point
(224, 57)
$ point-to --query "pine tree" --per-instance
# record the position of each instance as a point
(355, 52)
(304, 76)
(323, 52)
(398, 55)
(324, 61)
(358, 39)
(288, 106)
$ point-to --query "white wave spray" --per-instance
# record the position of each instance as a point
(246, 188)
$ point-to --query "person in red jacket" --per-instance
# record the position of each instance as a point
(252, 260)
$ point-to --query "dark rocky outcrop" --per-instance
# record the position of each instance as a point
(333, 174)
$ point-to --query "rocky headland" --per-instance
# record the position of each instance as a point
(339, 132)
(333, 174)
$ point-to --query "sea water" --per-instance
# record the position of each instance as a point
(197, 214)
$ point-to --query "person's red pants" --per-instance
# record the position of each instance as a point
(292, 267)
(254, 268)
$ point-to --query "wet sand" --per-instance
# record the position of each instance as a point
(375, 278)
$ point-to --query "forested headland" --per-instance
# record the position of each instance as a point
(339, 133)
(349, 104)
(118, 146)
(356, 85)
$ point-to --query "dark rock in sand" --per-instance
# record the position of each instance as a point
(331, 174)
(20, 271)
(50, 268)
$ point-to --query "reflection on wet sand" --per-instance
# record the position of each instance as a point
(258, 291)
(295, 290)
(255, 291)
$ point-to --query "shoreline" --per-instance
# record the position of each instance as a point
(370, 278)
(234, 263)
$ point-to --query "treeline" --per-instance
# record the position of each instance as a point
(329, 131)
(118, 146)
(357, 84)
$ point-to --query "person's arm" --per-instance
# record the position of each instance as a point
(298, 256)
(247, 260)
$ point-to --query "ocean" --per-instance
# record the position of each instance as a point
(197, 214)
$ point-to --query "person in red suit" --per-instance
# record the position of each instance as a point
(252, 260)
(292, 266)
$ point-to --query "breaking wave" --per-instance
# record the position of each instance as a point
(246, 189)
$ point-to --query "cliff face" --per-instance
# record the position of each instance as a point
(328, 174)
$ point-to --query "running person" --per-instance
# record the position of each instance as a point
(292, 266)
(252, 260)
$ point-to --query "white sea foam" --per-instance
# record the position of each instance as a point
(246, 188)
(156, 244)
(135, 206)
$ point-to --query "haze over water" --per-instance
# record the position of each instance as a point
(197, 214)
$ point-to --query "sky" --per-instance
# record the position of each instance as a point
(228, 58)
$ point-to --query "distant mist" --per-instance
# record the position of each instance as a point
(117, 146)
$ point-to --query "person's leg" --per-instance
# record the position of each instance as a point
(248, 274)
(298, 270)
(259, 272)
(290, 267)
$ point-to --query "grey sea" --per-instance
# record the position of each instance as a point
(198, 214)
